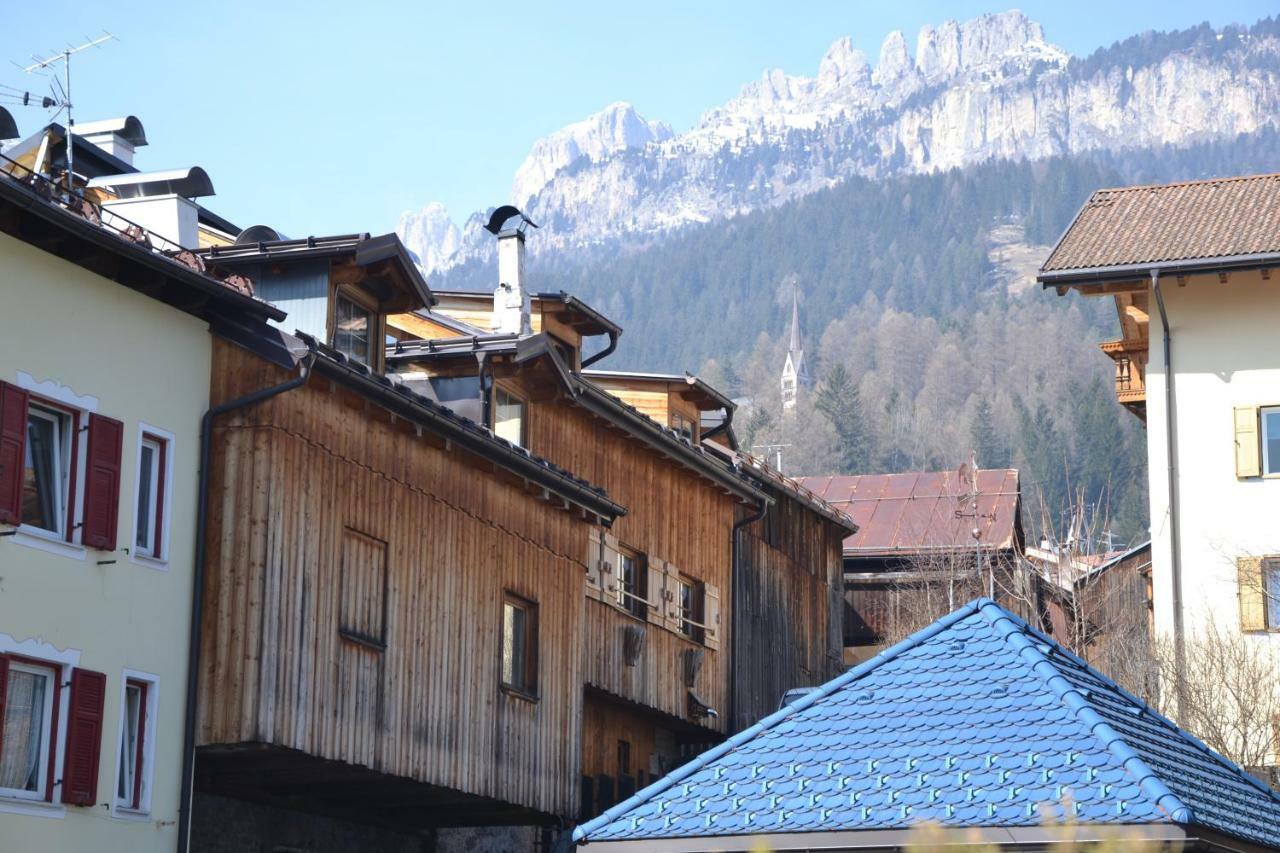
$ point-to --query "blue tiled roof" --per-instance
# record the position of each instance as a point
(976, 721)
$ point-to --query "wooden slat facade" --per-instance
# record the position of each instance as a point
(294, 479)
(788, 607)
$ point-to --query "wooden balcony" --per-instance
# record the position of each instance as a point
(1130, 358)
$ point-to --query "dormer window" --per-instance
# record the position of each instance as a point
(353, 328)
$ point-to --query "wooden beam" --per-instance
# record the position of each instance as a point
(1137, 315)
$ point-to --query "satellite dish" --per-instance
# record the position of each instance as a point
(502, 215)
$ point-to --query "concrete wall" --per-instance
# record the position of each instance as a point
(100, 346)
(1226, 353)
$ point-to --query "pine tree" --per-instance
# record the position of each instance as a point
(838, 401)
(987, 441)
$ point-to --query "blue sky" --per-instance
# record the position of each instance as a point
(325, 117)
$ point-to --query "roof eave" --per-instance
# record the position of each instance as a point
(70, 222)
(1088, 275)
(1139, 836)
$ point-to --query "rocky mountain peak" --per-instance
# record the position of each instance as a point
(613, 129)
(843, 66)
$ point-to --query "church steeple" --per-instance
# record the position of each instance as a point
(795, 373)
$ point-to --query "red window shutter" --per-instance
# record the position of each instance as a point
(4, 690)
(84, 737)
(102, 482)
(13, 450)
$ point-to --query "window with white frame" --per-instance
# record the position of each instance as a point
(47, 468)
(28, 729)
(134, 724)
(509, 417)
(153, 460)
(689, 598)
(1271, 440)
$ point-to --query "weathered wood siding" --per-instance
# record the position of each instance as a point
(672, 515)
(295, 478)
(788, 607)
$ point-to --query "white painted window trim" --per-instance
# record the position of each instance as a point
(161, 562)
(53, 391)
(143, 811)
(63, 660)
(52, 672)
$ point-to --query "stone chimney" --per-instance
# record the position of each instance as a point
(512, 307)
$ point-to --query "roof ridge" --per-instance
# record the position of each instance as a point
(683, 772)
(1188, 183)
(1148, 780)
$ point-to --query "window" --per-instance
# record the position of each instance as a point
(363, 616)
(519, 645)
(509, 417)
(689, 600)
(47, 469)
(1271, 440)
(1271, 588)
(148, 538)
(133, 731)
(632, 577)
(28, 728)
(353, 330)
(684, 426)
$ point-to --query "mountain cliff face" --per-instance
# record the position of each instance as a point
(988, 88)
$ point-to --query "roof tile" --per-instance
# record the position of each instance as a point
(923, 732)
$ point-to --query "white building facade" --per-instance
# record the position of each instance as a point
(105, 360)
(1194, 269)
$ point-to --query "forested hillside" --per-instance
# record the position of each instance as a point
(944, 353)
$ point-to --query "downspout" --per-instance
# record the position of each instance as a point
(486, 391)
(1171, 453)
(737, 583)
(604, 353)
(197, 587)
(721, 427)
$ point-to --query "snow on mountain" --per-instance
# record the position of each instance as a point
(985, 88)
(613, 129)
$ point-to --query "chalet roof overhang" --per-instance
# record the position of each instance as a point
(568, 309)
(377, 256)
(572, 491)
(778, 482)
(586, 394)
(692, 388)
(1136, 837)
(1105, 280)
(39, 221)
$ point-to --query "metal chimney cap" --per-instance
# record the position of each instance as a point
(8, 127)
(128, 128)
(188, 183)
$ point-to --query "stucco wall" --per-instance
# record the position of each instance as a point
(138, 361)
(1226, 353)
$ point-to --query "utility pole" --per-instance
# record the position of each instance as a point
(64, 57)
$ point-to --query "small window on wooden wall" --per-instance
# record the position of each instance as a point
(509, 417)
(363, 617)
(519, 662)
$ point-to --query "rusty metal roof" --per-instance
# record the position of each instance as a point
(1221, 218)
(901, 514)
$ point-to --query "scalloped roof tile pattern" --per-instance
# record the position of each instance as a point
(976, 721)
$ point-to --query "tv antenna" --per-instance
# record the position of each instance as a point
(64, 56)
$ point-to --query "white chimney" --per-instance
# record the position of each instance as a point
(119, 137)
(512, 307)
(158, 201)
